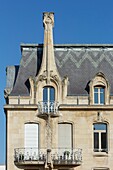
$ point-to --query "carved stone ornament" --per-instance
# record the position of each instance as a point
(100, 117)
(54, 76)
(48, 19)
(43, 76)
(7, 92)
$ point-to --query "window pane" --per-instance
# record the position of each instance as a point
(102, 89)
(45, 94)
(52, 94)
(103, 141)
(100, 126)
(96, 90)
(102, 98)
(96, 98)
(96, 141)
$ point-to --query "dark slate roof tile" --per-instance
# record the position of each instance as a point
(80, 64)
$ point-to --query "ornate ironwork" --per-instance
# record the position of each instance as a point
(48, 107)
(58, 156)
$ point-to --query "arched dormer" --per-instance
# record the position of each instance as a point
(99, 90)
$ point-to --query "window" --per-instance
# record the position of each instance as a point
(31, 140)
(64, 133)
(99, 95)
(100, 137)
(31, 135)
(48, 99)
(99, 90)
(48, 94)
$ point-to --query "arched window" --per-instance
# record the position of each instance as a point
(65, 140)
(31, 140)
(48, 94)
(31, 135)
(99, 95)
(100, 137)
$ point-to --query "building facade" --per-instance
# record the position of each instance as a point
(59, 106)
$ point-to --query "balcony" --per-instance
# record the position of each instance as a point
(60, 158)
(48, 108)
(24, 157)
(66, 158)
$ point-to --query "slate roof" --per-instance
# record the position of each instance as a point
(79, 62)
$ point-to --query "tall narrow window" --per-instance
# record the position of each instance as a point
(64, 137)
(48, 99)
(48, 94)
(99, 95)
(100, 137)
(31, 139)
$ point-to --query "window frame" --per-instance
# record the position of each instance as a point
(71, 128)
(49, 92)
(31, 123)
(100, 132)
(98, 94)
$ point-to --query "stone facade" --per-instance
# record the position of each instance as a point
(75, 129)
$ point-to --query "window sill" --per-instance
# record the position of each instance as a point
(100, 154)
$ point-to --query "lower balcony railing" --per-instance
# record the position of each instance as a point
(59, 156)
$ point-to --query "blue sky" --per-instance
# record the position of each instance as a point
(76, 21)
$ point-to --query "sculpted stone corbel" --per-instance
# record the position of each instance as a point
(54, 76)
(7, 91)
(65, 80)
(43, 76)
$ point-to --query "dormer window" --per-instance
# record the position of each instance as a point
(99, 95)
(99, 90)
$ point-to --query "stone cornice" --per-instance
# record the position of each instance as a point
(85, 107)
(20, 107)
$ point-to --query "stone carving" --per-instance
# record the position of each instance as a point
(54, 76)
(48, 19)
(7, 92)
(99, 117)
(44, 76)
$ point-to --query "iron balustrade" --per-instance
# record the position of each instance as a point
(48, 107)
(67, 155)
(29, 154)
(58, 156)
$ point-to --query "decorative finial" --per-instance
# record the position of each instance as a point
(48, 19)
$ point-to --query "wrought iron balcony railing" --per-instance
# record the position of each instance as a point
(58, 156)
(48, 108)
(66, 155)
(29, 154)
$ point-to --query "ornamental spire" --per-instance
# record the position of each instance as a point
(48, 62)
